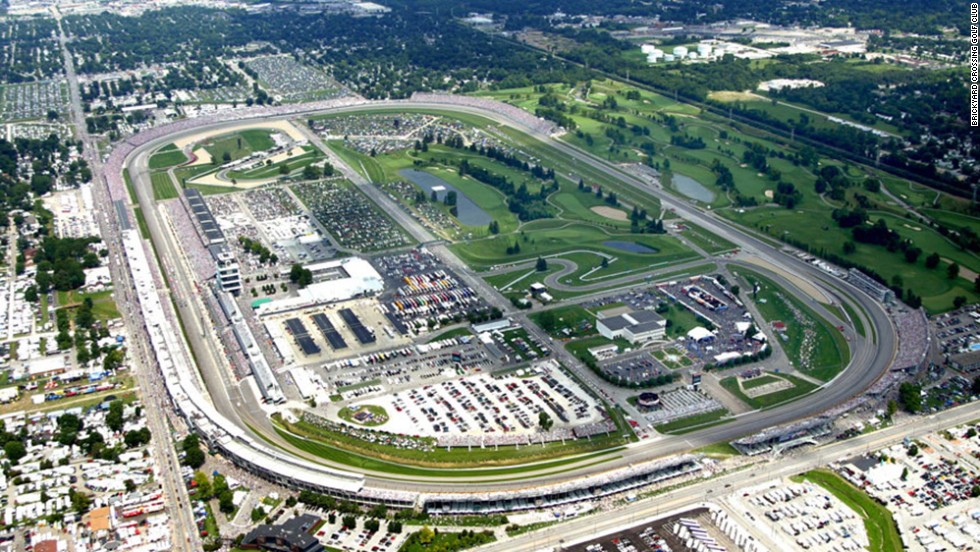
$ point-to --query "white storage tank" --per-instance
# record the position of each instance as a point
(680, 51)
(668, 57)
(647, 48)
(704, 50)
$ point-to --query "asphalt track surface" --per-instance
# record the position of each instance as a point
(869, 360)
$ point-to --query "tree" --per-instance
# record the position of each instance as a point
(284, 169)
(736, 290)
(976, 385)
(226, 501)
(226, 157)
(892, 408)
(203, 485)
(426, 535)
(14, 450)
(395, 527)
(959, 301)
(372, 525)
(30, 294)
(547, 321)
(450, 198)
(910, 397)
(932, 261)
(114, 419)
(953, 271)
(494, 227)
(905, 474)
(194, 458)
(541, 265)
(311, 172)
(350, 522)
(257, 514)
(545, 421)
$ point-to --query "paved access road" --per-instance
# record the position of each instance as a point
(869, 361)
(603, 523)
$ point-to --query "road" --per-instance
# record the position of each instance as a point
(182, 526)
(869, 362)
(590, 527)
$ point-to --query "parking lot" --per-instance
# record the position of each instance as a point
(422, 291)
(957, 336)
(350, 217)
(693, 530)
(633, 367)
(929, 486)
(799, 516)
(710, 300)
(680, 403)
(479, 409)
(32, 100)
(290, 81)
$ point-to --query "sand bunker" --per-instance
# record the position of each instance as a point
(201, 157)
(610, 213)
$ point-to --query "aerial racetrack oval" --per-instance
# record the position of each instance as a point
(221, 412)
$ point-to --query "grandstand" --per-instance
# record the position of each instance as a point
(783, 437)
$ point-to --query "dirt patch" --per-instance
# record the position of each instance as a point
(965, 272)
(732, 96)
(201, 157)
(610, 213)
(285, 127)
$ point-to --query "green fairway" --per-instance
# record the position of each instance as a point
(638, 130)
(575, 237)
(166, 157)
(811, 343)
(883, 535)
(800, 387)
(163, 186)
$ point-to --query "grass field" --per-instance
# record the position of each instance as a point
(294, 164)
(759, 381)
(566, 322)
(163, 186)
(800, 387)
(883, 535)
(827, 352)
(103, 306)
(355, 452)
(694, 423)
(166, 157)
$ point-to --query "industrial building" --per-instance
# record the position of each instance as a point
(337, 280)
(634, 326)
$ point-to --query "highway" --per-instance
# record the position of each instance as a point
(868, 363)
(603, 523)
(181, 523)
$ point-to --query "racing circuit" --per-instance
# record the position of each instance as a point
(202, 390)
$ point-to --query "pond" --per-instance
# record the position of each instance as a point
(630, 247)
(692, 188)
(468, 213)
